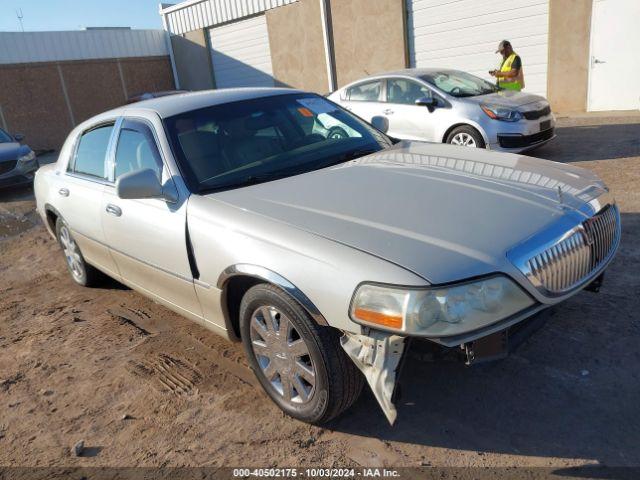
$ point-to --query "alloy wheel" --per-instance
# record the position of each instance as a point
(71, 253)
(463, 139)
(283, 355)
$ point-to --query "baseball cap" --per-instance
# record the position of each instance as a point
(503, 44)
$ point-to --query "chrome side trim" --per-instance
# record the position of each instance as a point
(88, 178)
(255, 271)
(143, 262)
(202, 284)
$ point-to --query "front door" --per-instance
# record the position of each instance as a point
(406, 119)
(147, 237)
(615, 61)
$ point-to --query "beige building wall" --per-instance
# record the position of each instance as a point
(45, 100)
(193, 60)
(568, 71)
(297, 46)
(369, 37)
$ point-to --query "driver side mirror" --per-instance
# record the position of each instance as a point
(381, 123)
(142, 184)
(18, 137)
(430, 102)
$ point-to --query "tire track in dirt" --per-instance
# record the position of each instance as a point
(168, 374)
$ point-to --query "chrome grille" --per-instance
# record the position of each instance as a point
(569, 261)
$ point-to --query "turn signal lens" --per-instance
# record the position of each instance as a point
(379, 305)
(370, 316)
(489, 112)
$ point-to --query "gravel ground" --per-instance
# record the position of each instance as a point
(141, 386)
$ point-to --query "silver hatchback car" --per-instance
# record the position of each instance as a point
(450, 106)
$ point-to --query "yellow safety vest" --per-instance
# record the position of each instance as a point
(511, 84)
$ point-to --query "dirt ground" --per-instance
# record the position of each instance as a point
(143, 387)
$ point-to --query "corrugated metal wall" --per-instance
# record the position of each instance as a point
(30, 47)
(240, 54)
(193, 15)
(464, 34)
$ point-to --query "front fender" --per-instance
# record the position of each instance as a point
(262, 273)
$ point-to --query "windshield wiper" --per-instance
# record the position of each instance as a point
(246, 181)
(351, 155)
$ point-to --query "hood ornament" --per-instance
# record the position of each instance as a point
(560, 195)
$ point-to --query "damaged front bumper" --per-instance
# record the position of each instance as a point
(379, 355)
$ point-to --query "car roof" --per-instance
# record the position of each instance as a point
(408, 72)
(170, 105)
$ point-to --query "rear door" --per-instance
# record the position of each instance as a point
(147, 237)
(80, 192)
(364, 99)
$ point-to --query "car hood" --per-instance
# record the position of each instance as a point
(443, 212)
(12, 150)
(507, 98)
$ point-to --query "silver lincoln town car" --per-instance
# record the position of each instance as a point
(323, 254)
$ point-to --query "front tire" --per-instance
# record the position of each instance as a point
(81, 272)
(299, 363)
(465, 136)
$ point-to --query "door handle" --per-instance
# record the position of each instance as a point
(113, 210)
(388, 111)
(64, 192)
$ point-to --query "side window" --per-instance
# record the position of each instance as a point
(400, 90)
(92, 152)
(137, 150)
(365, 92)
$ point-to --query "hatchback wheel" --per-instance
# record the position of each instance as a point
(466, 136)
(299, 363)
(81, 272)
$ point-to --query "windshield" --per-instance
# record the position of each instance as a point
(459, 84)
(5, 137)
(251, 141)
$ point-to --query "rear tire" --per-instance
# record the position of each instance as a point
(81, 272)
(465, 136)
(289, 352)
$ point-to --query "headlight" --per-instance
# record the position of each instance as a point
(438, 311)
(28, 157)
(501, 113)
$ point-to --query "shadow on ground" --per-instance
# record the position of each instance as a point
(592, 142)
(572, 390)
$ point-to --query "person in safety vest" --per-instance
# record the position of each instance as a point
(510, 75)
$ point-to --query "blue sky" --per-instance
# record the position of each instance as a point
(77, 14)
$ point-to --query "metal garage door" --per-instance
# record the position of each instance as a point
(464, 34)
(240, 54)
